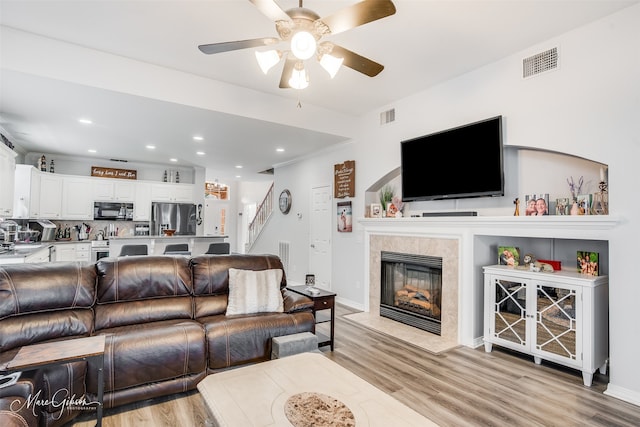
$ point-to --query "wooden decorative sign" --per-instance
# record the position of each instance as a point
(344, 179)
(102, 172)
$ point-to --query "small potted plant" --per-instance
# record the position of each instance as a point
(386, 195)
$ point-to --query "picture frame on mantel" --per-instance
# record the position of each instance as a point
(375, 210)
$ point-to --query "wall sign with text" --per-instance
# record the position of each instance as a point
(344, 179)
(103, 172)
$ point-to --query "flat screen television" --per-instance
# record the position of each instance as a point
(465, 161)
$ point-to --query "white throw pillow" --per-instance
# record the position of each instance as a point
(254, 291)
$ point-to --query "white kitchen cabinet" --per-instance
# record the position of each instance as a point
(40, 255)
(142, 202)
(77, 198)
(7, 177)
(73, 252)
(166, 192)
(561, 317)
(26, 199)
(113, 190)
(50, 196)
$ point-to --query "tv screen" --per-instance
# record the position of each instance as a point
(466, 161)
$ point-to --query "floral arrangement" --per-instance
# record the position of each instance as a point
(397, 201)
(575, 189)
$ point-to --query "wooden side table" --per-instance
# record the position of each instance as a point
(324, 300)
(40, 355)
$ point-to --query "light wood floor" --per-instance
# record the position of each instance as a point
(462, 387)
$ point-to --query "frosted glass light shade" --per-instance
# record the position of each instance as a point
(303, 45)
(299, 78)
(331, 64)
(266, 60)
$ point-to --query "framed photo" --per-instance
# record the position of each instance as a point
(563, 206)
(376, 210)
(536, 204)
(588, 263)
(508, 255)
(344, 217)
(584, 204)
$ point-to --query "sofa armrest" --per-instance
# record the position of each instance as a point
(295, 302)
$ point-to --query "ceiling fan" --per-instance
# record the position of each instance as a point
(304, 29)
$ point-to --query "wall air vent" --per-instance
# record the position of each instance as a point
(540, 63)
(283, 254)
(267, 171)
(388, 116)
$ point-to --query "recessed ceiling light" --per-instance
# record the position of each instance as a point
(151, 147)
(200, 153)
(173, 160)
(238, 176)
(280, 150)
(92, 150)
(238, 166)
(85, 121)
(198, 138)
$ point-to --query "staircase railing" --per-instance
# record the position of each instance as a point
(263, 212)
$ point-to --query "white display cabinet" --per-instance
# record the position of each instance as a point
(561, 317)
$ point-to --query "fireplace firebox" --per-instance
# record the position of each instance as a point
(411, 290)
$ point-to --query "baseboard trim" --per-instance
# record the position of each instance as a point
(630, 396)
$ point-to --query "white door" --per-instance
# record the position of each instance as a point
(320, 236)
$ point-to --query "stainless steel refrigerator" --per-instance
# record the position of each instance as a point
(173, 216)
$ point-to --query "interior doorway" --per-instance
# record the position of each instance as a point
(320, 236)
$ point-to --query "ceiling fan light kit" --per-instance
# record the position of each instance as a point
(303, 29)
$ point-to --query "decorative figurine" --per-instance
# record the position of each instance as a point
(517, 203)
(43, 163)
(51, 168)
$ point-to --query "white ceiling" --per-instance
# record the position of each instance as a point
(424, 43)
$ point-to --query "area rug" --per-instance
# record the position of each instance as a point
(317, 410)
(417, 337)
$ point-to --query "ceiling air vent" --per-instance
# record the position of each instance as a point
(539, 63)
(388, 116)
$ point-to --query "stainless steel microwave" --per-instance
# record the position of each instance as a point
(113, 211)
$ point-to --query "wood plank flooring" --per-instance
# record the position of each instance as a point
(461, 387)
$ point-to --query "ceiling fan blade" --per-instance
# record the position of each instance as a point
(359, 14)
(239, 44)
(357, 62)
(271, 10)
(289, 65)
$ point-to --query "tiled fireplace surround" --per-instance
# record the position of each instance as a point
(445, 248)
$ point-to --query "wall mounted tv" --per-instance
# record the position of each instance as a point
(462, 162)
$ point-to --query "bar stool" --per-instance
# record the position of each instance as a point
(128, 250)
(177, 249)
(219, 248)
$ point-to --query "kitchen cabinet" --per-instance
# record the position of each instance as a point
(165, 192)
(40, 255)
(77, 198)
(26, 199)
(50, 196)
(561, 317)
(142, 202)
(113, 190)
(7, 177)
(73, 252)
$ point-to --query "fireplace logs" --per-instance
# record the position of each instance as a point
(417, 300)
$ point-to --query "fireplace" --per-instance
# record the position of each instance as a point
(411, 289)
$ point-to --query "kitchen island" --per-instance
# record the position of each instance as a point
(157, 244)
(26, 253)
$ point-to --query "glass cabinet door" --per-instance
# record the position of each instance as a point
(509, 311)
(556, 324)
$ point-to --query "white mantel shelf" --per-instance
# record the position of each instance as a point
(552, 226)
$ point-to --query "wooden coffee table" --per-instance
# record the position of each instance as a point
(40, 355)
(255, 395)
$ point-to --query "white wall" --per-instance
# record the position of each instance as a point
(589, 107)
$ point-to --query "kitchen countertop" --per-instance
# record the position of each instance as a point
(217, 236)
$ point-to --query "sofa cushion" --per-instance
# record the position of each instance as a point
(149, 353)
(254, 291)
(43, 287)
(142, 278)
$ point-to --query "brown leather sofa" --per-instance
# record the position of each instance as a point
(163, 318)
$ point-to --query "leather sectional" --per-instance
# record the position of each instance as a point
(163, 318)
